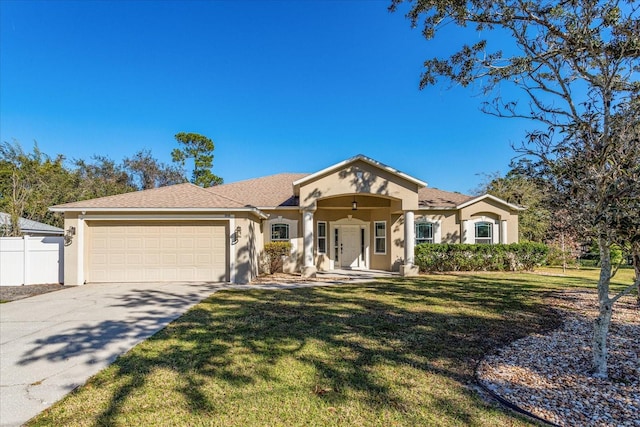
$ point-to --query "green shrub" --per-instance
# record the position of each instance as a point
(465, 257)
(616, 255)
(276, 252)
(558, 257)
(592, 258)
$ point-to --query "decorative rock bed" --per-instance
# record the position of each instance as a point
(12, 293)
(548, 375)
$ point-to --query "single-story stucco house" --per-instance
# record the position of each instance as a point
(358, 214)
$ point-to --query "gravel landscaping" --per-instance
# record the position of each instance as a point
(548, 375)
(12, 293)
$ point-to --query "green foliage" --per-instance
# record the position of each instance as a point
(31, 182)
(617, 254)
(146, 172)
(200, 149)
(471, 257)
(275, 252)
(523, 190)
(101, 177)
(558, 257)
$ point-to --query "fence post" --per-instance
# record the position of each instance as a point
(25, 260)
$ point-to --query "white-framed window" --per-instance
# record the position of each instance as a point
(279, 231)
(380, 233)
(484, 232)
(322, 237)
(424, 232)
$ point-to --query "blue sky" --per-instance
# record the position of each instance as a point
(279, 86)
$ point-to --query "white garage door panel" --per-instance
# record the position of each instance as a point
(167, 251)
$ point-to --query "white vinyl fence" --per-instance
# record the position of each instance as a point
(31, 260)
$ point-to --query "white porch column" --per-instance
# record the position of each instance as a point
(409, 269)
(409, 237)
(503, 231)
(308, 268)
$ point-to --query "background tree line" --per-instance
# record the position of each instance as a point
(31, 181)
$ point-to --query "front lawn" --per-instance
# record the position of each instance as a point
(394, 352)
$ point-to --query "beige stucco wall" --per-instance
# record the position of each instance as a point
(395, 245)
(376, 261)
(450, 226)
(496, 211)
(372, 209)
(485, 205)
(372, 180)
(71, 251)
(247, 248)
(293, 263)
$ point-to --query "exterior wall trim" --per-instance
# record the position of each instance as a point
(158, 217)
(489, 196)
(227, 211)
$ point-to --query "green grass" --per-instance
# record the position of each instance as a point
(621, 280)
(395, 352)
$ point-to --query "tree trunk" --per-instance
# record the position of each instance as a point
(564, 255)
(601, 325)
(635, 257)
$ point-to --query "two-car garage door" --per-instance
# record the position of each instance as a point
(139, 251)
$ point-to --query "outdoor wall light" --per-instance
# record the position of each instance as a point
(354, 204)
(238, 232)
(68, 235)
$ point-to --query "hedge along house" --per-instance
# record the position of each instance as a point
(357, 214)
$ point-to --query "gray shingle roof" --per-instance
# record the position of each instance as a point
(28, 225)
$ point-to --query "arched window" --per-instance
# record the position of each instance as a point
(484, 232)
(279, 231)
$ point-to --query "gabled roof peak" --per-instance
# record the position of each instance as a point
(358, 157)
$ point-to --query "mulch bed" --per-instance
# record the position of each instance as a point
(548, 374)
(12, 293)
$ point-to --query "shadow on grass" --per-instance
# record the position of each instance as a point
(434, 324)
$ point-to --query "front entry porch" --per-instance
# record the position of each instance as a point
(358, 233)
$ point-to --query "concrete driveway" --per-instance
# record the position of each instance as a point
(52, 343)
